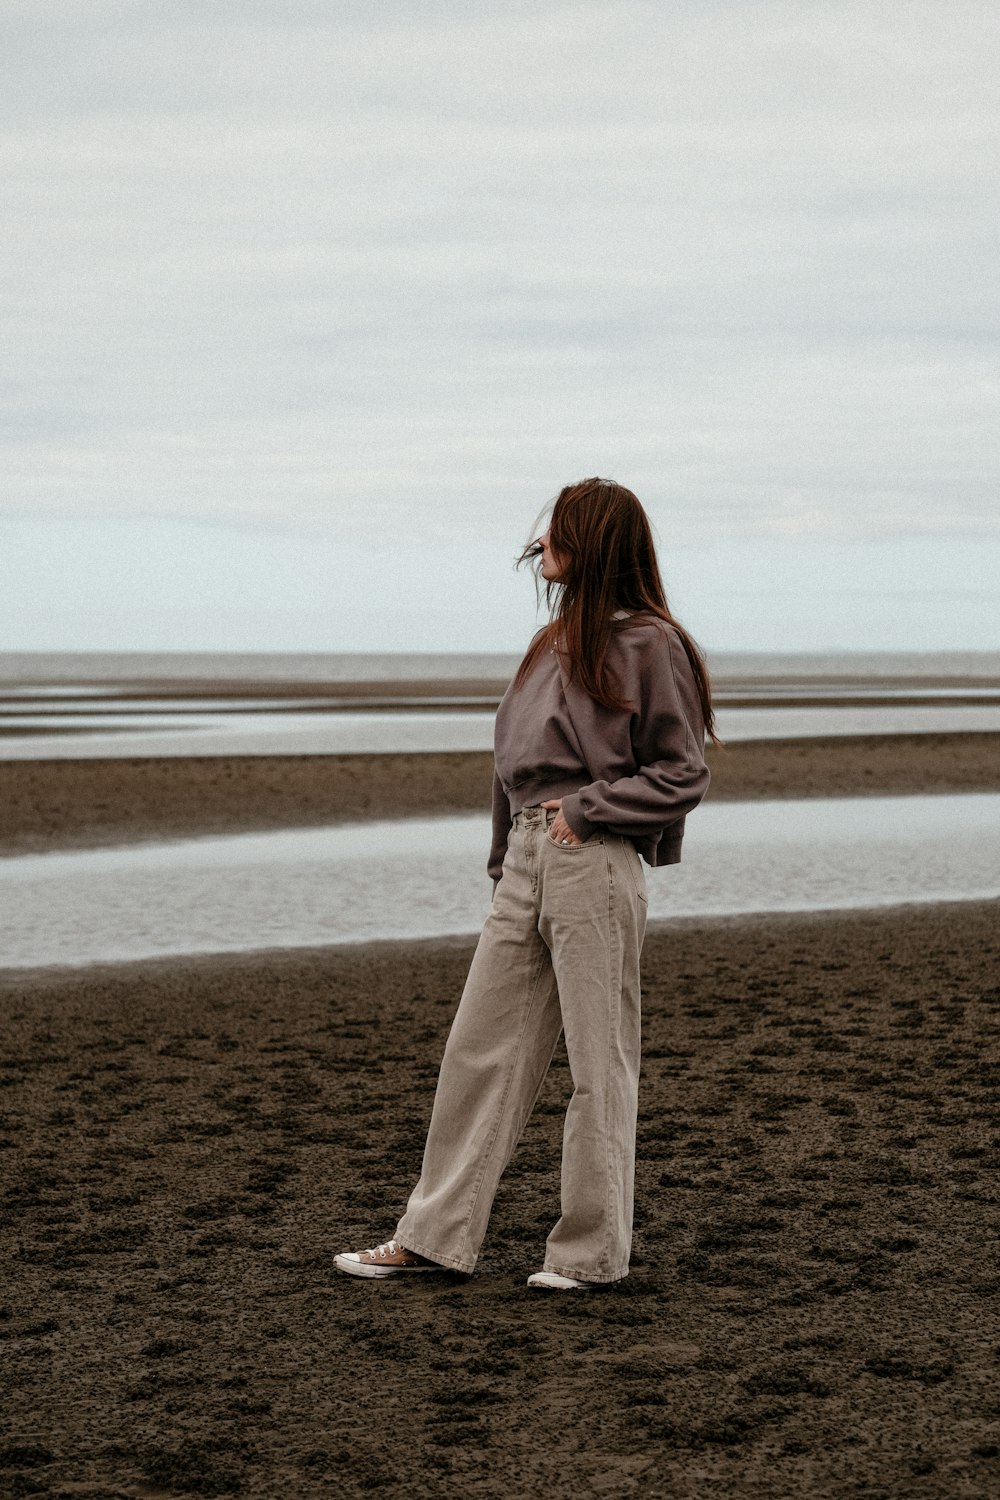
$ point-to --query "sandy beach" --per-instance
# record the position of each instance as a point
(186, 1143)
(811, 1309)
(88, 803)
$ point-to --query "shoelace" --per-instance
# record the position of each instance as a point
(380, 1250)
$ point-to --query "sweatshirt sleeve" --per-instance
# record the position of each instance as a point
(668, 741)
(501, 828)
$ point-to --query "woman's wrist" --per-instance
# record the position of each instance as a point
(580, 825)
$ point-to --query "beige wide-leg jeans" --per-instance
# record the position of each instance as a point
(559, 952)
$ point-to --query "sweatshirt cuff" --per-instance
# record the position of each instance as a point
(574, 817)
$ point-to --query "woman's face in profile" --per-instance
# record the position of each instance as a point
(552, 565)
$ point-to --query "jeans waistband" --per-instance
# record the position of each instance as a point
(534, 817)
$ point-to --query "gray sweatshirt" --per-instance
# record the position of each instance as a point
(635, 772)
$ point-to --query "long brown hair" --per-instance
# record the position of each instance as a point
(602, 538)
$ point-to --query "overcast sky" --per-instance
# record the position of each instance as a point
(313, 288)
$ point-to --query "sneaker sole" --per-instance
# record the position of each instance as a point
(360, 1268)
(564, 1286)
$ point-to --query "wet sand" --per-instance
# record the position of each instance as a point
(813, 1300)
(67, 803)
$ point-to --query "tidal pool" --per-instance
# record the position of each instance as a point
(425, 877)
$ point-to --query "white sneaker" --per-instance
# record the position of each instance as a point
(390, 1259)
(561, 1283)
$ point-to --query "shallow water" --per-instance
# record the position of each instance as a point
(83, 736)
(109, 706)
(426, 877)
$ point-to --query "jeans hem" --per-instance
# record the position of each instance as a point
(577, 1274)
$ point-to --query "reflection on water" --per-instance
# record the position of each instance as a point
(342, 732)
(95, 705)
(424, 877)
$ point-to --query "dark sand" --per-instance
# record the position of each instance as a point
(86, 803)
(813, 1304)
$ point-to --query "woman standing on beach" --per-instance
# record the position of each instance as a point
(599, 756)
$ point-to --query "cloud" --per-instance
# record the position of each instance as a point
(411, 270)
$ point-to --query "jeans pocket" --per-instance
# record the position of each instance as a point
(595, 840)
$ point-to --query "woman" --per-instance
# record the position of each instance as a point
(599, 757)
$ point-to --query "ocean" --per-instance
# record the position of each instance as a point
(69, 667)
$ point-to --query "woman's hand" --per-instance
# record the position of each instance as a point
(560, 831)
